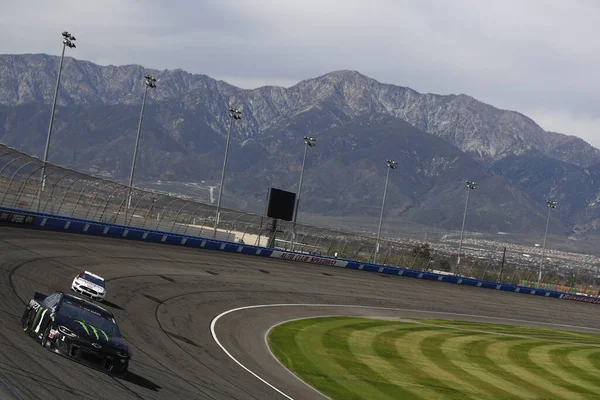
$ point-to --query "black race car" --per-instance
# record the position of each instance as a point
(77, 329)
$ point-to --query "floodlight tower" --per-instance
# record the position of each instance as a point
(470, 186)
(391, 164)
(149, 83)
(68, 41)
(308, 142)
(551, 206)
(235, 114)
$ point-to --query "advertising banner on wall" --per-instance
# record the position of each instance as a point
(16, 218)
(308, 258)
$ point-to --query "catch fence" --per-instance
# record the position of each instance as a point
(69, 193)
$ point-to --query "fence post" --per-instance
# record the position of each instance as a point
(344, 247)
(23, 187)
(247, 225)
(177, 216)
(163, 211)
(137, 203)
(233, 226)
(93, 199)
(69, 173)
(387, 253)
(485, 271)
(193, 215)
(149, 213)
(67, 191)
(328, 251)
(107, 201)
(81, 194)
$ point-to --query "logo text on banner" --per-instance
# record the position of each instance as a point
(307, 258)
(17, 218)
(581, 298)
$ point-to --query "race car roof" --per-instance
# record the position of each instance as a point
(87, 303)
(94, 275)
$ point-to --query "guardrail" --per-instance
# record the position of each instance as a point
(57, 223)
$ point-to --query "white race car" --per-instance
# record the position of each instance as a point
(90, 285)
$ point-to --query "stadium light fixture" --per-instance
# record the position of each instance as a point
(308, 142)
(551, 206)
(470, 186)
(235, 114)
(391, 164)
(68, 41)
(149, 82)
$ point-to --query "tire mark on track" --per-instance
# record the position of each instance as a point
(61, 385)
(23, 389)
(227, 291)
(188, 352)
(135, 394)
(10, 313)
(53, 258)
(193, 384)
(165, 369)
(116, 278)
(196, 358)
(5, 366)
(44, 383)
(9, 387)
(14, 270)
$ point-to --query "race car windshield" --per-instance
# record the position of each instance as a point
(82, 314)
(90, 278)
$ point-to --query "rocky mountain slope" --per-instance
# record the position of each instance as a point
(439, 142)
(483, 131)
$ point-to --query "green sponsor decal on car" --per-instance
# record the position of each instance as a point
(38, 318)
(37, 315)
(87, 328)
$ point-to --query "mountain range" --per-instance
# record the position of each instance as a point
(439, 141)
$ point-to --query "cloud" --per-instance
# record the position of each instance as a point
(587, 128)
(515, 54)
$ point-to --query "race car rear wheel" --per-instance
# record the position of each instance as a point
(26, 319)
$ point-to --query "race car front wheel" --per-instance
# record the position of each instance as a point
(123, 373)
(45, 335)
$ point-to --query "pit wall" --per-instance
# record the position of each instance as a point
(12, 216)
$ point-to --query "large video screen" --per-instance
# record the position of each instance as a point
(281, 204)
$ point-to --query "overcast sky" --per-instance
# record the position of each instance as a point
(538, 57)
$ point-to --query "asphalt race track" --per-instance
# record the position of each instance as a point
(165, 297)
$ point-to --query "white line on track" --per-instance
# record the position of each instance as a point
(214, 336)
(216, 319)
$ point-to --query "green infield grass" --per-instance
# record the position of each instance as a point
(358, 358)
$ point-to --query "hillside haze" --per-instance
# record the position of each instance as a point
(438, 141)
